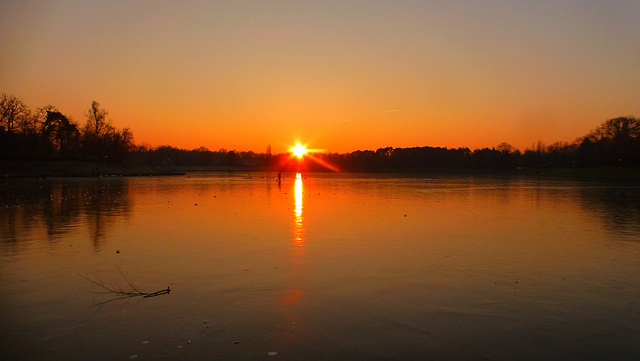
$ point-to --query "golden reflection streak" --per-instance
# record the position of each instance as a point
(298, 229)
(291, 297)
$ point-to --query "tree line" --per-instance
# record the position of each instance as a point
(46, 133)
(616, 142)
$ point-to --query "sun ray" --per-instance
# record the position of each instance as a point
(323, 163)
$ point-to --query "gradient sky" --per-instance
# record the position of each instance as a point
(336, 75)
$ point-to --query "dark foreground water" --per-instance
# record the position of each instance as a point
(324, 267)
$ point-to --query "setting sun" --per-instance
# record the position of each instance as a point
(299, 150)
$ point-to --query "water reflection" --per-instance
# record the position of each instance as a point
(297, 250)
(59, 207)
(502, 260)
(618, 207)
(298, 230)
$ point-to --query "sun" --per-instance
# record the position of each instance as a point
(299, 150)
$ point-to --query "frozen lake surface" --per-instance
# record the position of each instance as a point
(320, 267)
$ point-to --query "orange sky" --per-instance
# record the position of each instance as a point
(336, 75)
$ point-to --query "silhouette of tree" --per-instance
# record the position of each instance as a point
(12, 110)
(47, 133)
(28, 125)
(232, 158)
(621, 129)
(61, 134)
(117, 143)
(101, 139)
(485, 158)
(97, 123)
(561, 154)
(617, 142)
(586, 153)
(94, 131)
(505, 148)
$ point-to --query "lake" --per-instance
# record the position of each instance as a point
(319, 267)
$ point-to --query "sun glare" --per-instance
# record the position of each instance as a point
(299, 150)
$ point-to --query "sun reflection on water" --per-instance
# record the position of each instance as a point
(298, 230)
(297, 244)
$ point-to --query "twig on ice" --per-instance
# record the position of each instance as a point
(132, 291)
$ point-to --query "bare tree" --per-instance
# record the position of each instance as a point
(25, 124)
(621, 129)
(97, 131)
(126, 136)
(505, 148)
(97, 124)
(34, 122)
(12, 111)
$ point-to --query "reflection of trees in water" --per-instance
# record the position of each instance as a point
(104, 202)
(59, 206)
(60, 211)
(617, 206)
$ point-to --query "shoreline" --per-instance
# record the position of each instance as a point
(612, 174)
(81, 169)
(78, 169)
